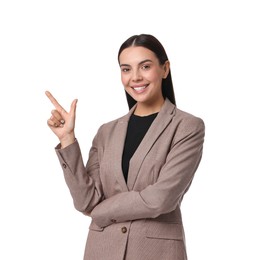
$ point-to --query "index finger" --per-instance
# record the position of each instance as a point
(54, 102)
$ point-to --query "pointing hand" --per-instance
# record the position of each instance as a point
(61, 122)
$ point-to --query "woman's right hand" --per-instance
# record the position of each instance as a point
(61, 122)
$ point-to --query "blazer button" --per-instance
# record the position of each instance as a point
(123, 230)
(64, 165)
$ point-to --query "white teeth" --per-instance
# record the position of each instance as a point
(140, 88)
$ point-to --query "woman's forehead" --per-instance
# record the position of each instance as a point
(136, 54)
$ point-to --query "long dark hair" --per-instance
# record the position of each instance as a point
(150, 42)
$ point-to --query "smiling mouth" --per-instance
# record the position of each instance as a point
(140, 89)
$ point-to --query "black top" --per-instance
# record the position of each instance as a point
(137, 128)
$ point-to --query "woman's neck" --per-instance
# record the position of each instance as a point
(143, 109)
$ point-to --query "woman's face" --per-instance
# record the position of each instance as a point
(142, 74)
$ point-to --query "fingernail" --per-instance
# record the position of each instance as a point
(62, 121)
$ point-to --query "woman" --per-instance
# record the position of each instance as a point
(139, 166)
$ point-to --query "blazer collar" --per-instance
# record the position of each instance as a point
(168, 108)
(162, 120)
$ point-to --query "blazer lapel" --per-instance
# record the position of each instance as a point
(162, 120)
(118, 146)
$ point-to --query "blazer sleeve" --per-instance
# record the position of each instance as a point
(83, 182)
(163, 196)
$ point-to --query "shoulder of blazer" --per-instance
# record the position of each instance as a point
(186, 125)
(188, 120)
(107, 128)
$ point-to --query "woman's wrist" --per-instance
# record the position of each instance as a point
(67, 140)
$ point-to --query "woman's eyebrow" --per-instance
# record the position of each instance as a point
(125, 65)
(141, 62)
(147, 60)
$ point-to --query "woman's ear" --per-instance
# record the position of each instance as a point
(166, 68)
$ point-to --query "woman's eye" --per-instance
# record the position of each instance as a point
(145, 67)
(125, 69)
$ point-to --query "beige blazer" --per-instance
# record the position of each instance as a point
(140, 219)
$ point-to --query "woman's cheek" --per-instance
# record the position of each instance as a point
(124, 80)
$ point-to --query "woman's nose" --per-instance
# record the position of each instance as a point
(136, 76)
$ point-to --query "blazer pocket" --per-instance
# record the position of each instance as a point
(164, 230)
(95, 227)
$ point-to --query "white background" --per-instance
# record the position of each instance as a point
(70, 48)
